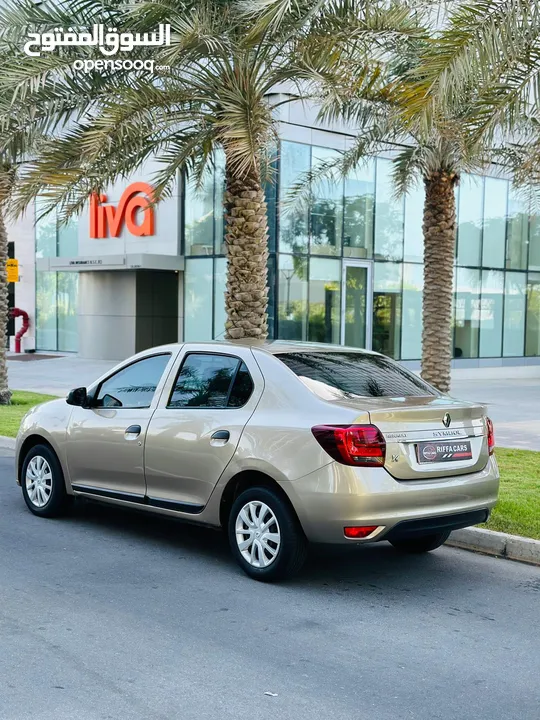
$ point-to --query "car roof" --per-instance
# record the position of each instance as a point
(273, 347)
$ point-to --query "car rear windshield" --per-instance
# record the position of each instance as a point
(356, 374)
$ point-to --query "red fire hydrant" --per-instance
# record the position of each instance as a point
(15, 313)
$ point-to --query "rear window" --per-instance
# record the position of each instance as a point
(355, 374)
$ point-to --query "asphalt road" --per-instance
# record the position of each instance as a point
(114, 615)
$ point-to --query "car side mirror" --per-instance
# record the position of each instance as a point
(78, 397)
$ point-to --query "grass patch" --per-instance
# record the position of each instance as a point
(21, 402)
(518, 509)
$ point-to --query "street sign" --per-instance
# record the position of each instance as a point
(12, 266)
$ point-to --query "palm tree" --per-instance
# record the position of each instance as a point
(218, 90)
(433, 148)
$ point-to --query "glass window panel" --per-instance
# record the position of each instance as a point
(271, 296)
(518, 231)
(324, 300)
(355, 315)
(68, 240)
(495, 208)
(414, 218)
(354, 374)
(135, 385)
(198, 299)
(293, 224)
(411, 322)
(67, 301)
(292, 302)
(219, 196)
(270, 194)
(389, 215)
(204, 380)
(467, 313)
(220, 282)
(45, 231)
(46, 320)
(470, 213)
(199, 217)
(534, 243)
(359, 212)
(387, 282)
(514, 314)
(242, 388)
(326, 208)
(532, 335)
(491, 313)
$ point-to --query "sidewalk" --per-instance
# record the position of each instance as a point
(511, 394)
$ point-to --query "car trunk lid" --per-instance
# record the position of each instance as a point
(428, 437)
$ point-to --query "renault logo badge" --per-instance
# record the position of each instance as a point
(446, 419)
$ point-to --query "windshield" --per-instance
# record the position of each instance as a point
(356, 374)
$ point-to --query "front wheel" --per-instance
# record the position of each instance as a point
(42, 482)
(421, 544)
(265, 536)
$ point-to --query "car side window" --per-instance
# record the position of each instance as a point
(135, 385)
(242, 387)
(211, 381)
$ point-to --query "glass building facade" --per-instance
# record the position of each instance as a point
(349, 268)
(56, 292)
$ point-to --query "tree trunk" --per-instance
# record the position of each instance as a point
(439, 247)
(246, 238)
(5, 394)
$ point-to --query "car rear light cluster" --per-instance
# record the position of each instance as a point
(490, 436)
(359, 445)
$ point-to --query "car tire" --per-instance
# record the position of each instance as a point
(265, 536)
(422, 544)
(42, 482)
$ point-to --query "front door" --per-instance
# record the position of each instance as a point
(356, 304)
(105, 442)
(195, 430)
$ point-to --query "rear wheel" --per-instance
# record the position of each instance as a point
(421, 544)
(265, 536)
(42, 482)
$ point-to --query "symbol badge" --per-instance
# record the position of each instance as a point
(446, 420)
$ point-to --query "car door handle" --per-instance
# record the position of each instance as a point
(221, 435)
(133, 430)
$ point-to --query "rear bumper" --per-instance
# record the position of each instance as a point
(433, 525)
(337, 496)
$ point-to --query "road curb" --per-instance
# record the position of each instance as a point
(7, 443)
(500, 544)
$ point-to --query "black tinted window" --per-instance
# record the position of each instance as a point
(135, 385)
(242, 387)
(204, 380)
(355, 374)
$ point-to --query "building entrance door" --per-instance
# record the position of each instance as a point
(357, 304)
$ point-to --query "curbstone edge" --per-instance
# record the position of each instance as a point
(500, 544)
(7, 443)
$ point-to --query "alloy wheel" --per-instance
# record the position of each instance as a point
(39, 481)
(257, 534)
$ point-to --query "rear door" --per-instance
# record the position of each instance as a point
(196, 428)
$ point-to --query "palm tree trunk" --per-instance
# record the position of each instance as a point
(5, 394)
(246, 238)
(439, 247)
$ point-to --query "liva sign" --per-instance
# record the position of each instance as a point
(134, 210)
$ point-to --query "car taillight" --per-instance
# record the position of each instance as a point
(360, 445)
(490, 436)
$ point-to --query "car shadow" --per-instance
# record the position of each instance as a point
(376, 567)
